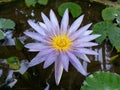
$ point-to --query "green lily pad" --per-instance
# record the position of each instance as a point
(74, 9)
(30, 2)
(107, 29)
(102, 81)
(110, 13)
(43, 2)
(6, 24)
(2, 35)
(13, 62)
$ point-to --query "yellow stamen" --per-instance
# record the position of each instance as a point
(61, 43)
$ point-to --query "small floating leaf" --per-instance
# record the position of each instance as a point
(110, 13)
(102, 81)
(30, 2)
(107, 29)
(74, 9)
(2, 35)
(43, 2)
(13, 62)
(6, 24)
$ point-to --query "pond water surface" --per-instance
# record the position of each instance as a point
(37, 78)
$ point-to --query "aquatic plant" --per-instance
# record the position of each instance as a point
(60, 44)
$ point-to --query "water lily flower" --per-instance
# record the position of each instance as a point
(60, 44)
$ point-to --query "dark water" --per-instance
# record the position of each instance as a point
(36, 77)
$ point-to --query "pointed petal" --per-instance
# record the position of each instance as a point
(87, 32)
(58, 71)
(34, 35)
(88, 38)
(51, 58)
(36, 60)
(76, 63)
(36, 27)
(36, 46)
(80, 32)
(85, 44)
(47, 21)
(65, 22)
(65, 61)
(54, 20)
(43, 25)
(82, 56)
(86, 51)
(75, 25)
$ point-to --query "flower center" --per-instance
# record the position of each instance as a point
(61, 43)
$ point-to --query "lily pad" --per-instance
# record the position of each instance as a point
(2, 35)
(30, 2)
(111, 13)
(107, 29)
(102, 81)
(74, 9)
(43, 2)
(6, 24)
(13, 62)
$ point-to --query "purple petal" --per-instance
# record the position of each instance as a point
(36, 46)
(37, 60)
(82, 56)
(58, 71)
(47, 21)
(87, 32)
(65, 61)
(36, 27)
(65, 22)
(34, 35)
(75, 25)
(54, 20)
(43, 25)
(85, 44)
(80, 32)
(51, 58)
(86, 51)
(76, 63)
(88, 38)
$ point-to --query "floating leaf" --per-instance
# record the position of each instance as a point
(43, 2)
(74, 9)
(18, 44)
(107, 29)
(110, 13)
(6, 24)
(2, 35)
(13, 62)
(102, 81)
(30, 2)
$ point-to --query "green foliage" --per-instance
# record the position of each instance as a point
(107, 29)
(6, 24)
(118, 1)
(74, 9)
(30, 2)
(18, 44)
(102, 81)
(110, 13)
(43, 2)
(33, 2)
(13, 62)
(2, 35)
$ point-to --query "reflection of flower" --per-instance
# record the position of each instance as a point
(60, 44)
